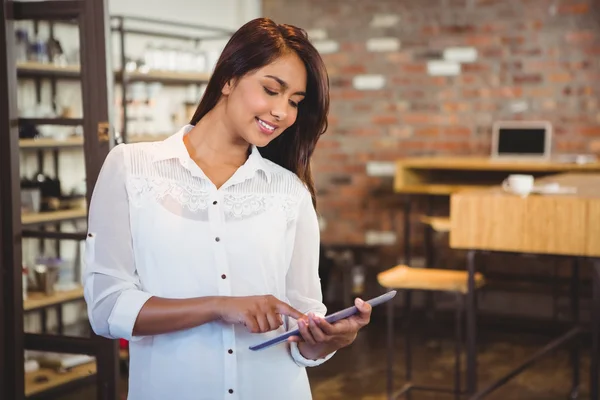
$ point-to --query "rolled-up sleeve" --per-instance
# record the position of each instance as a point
(112, 288)
(302, 280)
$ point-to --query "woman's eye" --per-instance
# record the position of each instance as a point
(294, 104)
(269, 92)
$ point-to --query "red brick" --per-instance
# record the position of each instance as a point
(458, 131)
(594, 146)
(509, 91)
(454, 107)
(325, 143)
(414, 68)
(362, 107)
(589, 131)
(580, 8)
(432, 131)
(384, 119)
(512, 41)
(351, 47)
(560, 77)
(475, 68)
(578, 37)
(398, 57)
(400, 132)
(353, 69)
(528, 79)
(474, 40)
(592, 51)
(364, 131)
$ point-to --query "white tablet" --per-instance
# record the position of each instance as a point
(330, 318)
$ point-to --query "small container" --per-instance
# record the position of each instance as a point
(45, 278)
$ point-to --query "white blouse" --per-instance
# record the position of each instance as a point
(159, 227)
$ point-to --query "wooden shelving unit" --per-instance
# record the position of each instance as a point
(46, 379)
(37, 300)
(52, 216)
(93, 32)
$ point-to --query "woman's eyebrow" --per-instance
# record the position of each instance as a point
(283, 84)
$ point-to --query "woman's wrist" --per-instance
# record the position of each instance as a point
(314, 351)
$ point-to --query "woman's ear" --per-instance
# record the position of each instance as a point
(227, 88)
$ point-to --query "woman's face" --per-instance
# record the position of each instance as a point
(263, 104)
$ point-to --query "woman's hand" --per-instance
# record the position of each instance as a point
(320, 338)
(258, 313)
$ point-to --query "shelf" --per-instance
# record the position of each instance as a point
(33, 69)
(52, 121)
(146, 138)
(36, 300)
(46, 143)
(47, 10)
(39, 70)
(53, 216)
(46, 379)
(166, 77)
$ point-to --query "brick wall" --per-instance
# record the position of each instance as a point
(421, 77)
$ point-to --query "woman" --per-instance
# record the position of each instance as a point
(202, 245)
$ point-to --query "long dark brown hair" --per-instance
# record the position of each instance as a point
(256, 44)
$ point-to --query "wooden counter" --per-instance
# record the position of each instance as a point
(446, 175)
(561, 224)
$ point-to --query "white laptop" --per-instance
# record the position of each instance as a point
(522, 140)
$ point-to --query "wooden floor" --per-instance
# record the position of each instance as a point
(358, 372)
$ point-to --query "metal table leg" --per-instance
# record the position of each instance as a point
(407, 207)
(576, 349)
(594, 370)
(390, 355)
(471, 333)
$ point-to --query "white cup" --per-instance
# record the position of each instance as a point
(520, 185)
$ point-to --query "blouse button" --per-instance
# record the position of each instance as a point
(223, 276)
(230, 351)
(230, 391)
(217, 239)
(214, 202)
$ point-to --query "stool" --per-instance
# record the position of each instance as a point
(438, 224)
(406, 278)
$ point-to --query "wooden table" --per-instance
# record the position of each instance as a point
(552, 224)
(443, 176)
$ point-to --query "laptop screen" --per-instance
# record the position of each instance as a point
(524, 141)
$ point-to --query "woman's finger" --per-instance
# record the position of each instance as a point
(316, 331)
(274, 320)
(251, 324)
(305, 332)
(263, 323)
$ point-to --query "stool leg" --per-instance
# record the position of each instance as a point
(575, 350)
(407, 342)
(471, 326)
(458, 346)
(390, 350)
(595, 356)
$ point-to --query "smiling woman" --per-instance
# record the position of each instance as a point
(206, 243)
(281, 60)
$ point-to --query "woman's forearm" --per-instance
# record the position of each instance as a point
(160, 315)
